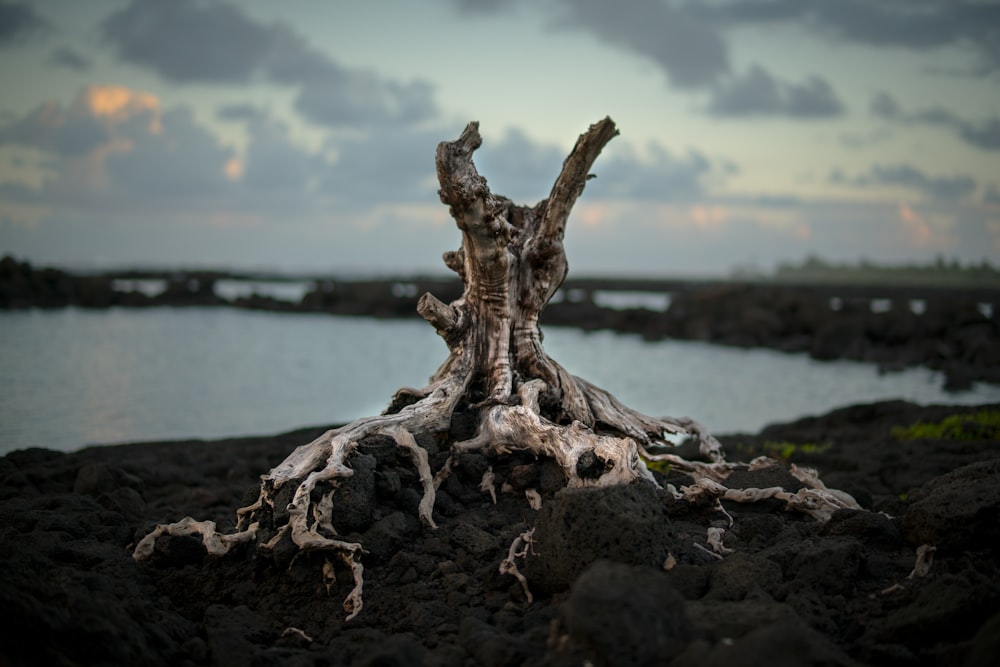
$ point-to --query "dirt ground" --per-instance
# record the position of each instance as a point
(618, 576)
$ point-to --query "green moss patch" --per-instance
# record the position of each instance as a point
(981, 425)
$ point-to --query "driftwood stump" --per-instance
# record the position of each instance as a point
(511, 262)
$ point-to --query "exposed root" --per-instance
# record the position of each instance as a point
(706, 550)
(217, 544)
(405, 440)
(519, 548)
(488, 484)
(296, 632)
(586, 458)
(816, 499)
(922, 567)
(715, 541)
(925, 558)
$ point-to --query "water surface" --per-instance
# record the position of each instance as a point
(74, 377)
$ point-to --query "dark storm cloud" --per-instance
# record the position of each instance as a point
(53, 128)
(907, 24)
(18, 20)
(216, 42)
(984, 135)
(907, 176)
(70, 59)
(758, 93)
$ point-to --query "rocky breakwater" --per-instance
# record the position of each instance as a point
(25, 286)
(952, 330)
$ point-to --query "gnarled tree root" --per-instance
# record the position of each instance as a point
(512, 262)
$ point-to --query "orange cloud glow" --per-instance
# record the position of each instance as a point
(916, 228)
(234, 169)
(993, 226)
(709, 217)
(593, 214)
(118, 103)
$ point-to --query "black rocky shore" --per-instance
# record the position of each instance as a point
(619, 576)
(955, 330)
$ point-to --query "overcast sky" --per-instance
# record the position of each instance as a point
(300, 135)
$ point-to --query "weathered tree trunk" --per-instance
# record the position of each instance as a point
(511, 263)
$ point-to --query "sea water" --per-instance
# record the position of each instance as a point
(76, 377)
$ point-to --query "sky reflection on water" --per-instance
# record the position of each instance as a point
(76, 377)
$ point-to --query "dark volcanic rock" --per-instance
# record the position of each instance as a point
(625, 524)
(958, 511)
(626, 615)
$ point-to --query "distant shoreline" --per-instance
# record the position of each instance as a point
(955, 330)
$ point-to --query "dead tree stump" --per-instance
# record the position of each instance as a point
(511, 262)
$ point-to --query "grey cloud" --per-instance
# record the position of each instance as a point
(863, 140)
(891, 23)
(272, 162)
(393, 165)
(758, 93)
(239, 112)
(70, 59)
(992, 195)
(984, 135)
(482, 6)
(907, 176)
(518, 167)
(884, 105)
(524, 170)
(399, 166)
(182, 159)
(50, 127)
(190, 40)
(153, 157)
(215, 42)
(690, 52)
(663, 176)
(362, 99)
(18, 20)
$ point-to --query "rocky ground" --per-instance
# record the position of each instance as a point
(618, 576)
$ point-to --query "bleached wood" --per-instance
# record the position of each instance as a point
(511, 261)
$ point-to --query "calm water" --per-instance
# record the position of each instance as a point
(74, 377)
